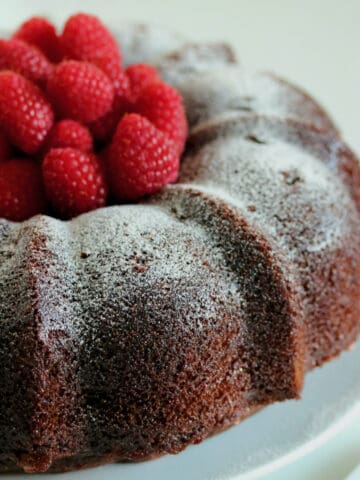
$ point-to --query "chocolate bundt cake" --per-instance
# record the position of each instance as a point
(137, 330)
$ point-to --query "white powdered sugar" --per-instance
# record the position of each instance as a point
(145, 43)
(215, 93)
(232, 279)
(278, 183)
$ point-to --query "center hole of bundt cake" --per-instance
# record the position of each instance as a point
(81, 131)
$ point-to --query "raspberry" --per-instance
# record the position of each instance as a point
(121, 83)
(74, 181)
(22, 58)
(21, 190)
(5, 148)
(102, 157)
(162, 105)
(140, 76)
(40, 32)
(69, 133)
(110, 66)
(26, 117)
(138, 121)
(141, 159)
(104, 128)
(79, 90)
(86, 38)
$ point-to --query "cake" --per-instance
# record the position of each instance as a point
(136, 330)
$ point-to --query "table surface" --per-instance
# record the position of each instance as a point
(314, 43)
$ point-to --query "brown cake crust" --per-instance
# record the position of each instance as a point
(137, 330)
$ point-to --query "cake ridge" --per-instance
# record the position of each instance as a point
(51, 322)
(336, 154)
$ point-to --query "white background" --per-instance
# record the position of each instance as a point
(315, 43)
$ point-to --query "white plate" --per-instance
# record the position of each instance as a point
(270, 439)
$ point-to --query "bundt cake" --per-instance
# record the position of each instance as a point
(137, 330)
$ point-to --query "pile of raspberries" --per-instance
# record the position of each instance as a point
(77, 130)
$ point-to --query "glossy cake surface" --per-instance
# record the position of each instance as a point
(136, 330)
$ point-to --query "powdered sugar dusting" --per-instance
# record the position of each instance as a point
(145, 43)
(232, 280)
(194, 59)
(281, 182)
(211, 93)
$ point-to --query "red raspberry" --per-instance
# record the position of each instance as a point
(102, 157)
(162, 105)
(86, 38)
(141, 159)
(22, 58)
(80, 90)
(140, 76)
(5, 148)
(74, 181)
(21, 190)
(26, 117)
(110, 66)
(40, 32)
(104, 128)
(121, 84)
(69, 133)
